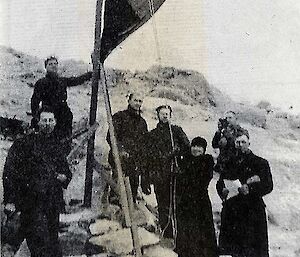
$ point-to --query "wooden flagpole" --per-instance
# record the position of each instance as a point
(93, 107)
(115, 152)
(97, 68)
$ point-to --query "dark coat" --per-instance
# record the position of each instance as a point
(52, 92)
(160, 164)
(243, 219)
(196, 233)
(29, 177)
(160, 153)
(130, 131)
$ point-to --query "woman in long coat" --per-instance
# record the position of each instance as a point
(196, 233)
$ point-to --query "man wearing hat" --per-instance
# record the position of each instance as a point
(244, 231)
(166, 145)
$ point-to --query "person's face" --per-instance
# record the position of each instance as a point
(136, 102)
(52, 66)
(197, 150)
(164, 115)
(231, 118)
(242, 143)
(47, 122)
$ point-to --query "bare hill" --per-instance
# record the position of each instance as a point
(197, 106)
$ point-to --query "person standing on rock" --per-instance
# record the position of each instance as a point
(166, 145)
(196, 233)
(244, 231)
(35, 173)
(51, 91)
(130, 131)
(224, 140)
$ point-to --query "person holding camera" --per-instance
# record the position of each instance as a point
(243, 231)
(224, 140)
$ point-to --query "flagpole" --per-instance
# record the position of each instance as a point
(93, 107)
(115, 151)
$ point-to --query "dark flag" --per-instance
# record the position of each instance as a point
(121, 18)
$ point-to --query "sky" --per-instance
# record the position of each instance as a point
(249, 49)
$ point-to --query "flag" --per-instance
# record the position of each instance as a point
(121, 18)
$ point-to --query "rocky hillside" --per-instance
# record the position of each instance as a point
(197, 106)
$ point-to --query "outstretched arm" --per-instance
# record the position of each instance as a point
(75, 81)
(36, 99)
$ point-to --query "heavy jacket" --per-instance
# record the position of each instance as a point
(243, 219)
(52, 91)
(160, 152)
(196, 233)
(130, 131)
(30, 171)
(160, 165)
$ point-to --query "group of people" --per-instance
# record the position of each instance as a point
(181, 171)
(36, 171)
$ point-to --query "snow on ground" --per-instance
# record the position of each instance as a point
(278, 142)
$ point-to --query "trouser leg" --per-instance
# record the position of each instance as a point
(41, 232)
(134, 183)
(162, 191)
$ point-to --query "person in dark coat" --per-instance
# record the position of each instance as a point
(224, 140)
(35, 173)
(166, 144)
(51, 91)
(244, 231)
(130, 131)
(196, 234)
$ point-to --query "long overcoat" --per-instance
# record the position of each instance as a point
(196, 233)
(243, 219)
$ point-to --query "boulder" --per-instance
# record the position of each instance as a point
(120, 242)
(144, 217)
(159, 251)
(101, 226)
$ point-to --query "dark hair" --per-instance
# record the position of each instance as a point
(164, 107)
(199, 141)
(49, 59)
(46, 108)
(243, 132)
